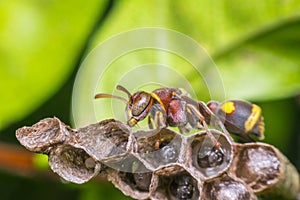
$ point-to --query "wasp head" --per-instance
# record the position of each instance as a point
(138, 105)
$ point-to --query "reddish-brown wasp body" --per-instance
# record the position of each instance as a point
(165, 106)
(173, 107)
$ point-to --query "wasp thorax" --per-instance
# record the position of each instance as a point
(140, 101)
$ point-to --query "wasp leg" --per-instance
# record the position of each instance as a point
(181, 129)
(159, 121)
(216, 119)
(150, 125)
(193, 120)
(203, 124)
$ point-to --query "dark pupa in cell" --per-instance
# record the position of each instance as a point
(139, 181)
(158, 155)
(142, 180)
(227, 188)
(182, 187)
(138, 177)
(168, 153)
(210, 157)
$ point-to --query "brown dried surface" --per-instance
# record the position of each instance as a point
(181, 167)
(43, 135)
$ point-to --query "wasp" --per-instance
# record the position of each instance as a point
(174, 107)
(166, 107)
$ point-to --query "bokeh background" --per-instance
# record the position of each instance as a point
(255, 44)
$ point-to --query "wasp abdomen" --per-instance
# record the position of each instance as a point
(240, 117)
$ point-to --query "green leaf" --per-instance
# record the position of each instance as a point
(250, 42)
(265, 65)
(39, 45)
(254, 51)
(40, 162)
(100, 191)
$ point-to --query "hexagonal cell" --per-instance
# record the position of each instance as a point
(105, 140)
(257, 166)
(267, 171)
(41, 136)
(133, 179)
(226, 188)
(206, 159)
(167, 152)
(180, 185)
(73, 164)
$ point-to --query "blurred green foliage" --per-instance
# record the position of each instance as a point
(255, 45)
(39, 45)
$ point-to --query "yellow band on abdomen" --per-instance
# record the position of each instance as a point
(253, 118)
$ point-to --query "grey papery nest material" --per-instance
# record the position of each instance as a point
(184, 167)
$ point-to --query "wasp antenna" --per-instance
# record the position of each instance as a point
(121, 88)
(101, 95)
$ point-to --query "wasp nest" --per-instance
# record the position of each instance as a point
(180, 167)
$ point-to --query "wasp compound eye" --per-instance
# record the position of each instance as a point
(140, 102)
